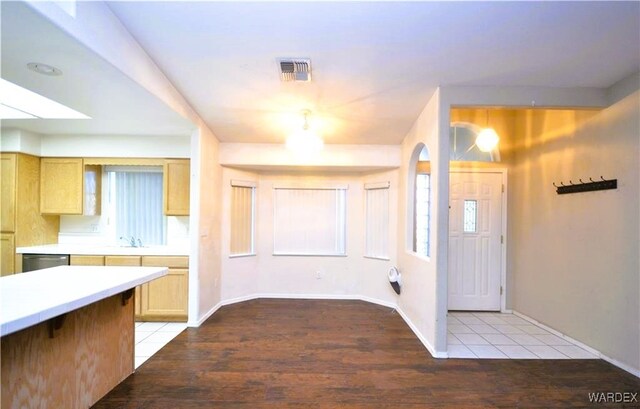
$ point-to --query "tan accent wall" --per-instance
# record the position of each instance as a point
(572, 260)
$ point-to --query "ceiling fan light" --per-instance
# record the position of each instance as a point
(487, 140)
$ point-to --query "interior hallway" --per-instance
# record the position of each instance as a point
(342, 354)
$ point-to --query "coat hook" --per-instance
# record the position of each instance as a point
(562, 183)
(592, 180)
(580, 180)
(570, 181)
(602, 179)
(554, 184)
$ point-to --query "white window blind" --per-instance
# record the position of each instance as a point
(136, 200)
(242, 219)
(377, 220)
(423, 214)
(310, 222)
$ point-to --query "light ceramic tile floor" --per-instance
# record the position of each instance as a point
(491, 335)
(150, 337)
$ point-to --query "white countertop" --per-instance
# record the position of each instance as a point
(28, 299)
(92, 249)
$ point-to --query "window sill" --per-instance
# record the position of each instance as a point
(419, 256)
(242, 255)
(307, 255)
(378, 258)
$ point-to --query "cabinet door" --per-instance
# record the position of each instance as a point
(166, 297)
(61, 185)
(176, 180)
(8, 186)
(92, 190)
(7, 253)
(86, 260)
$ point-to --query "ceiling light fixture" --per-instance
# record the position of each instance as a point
(487, 139)
(304, 141)
(44, 69)
(28, 102)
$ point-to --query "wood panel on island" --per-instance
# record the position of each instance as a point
(164, 299)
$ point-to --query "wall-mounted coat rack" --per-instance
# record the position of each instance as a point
(591, 186)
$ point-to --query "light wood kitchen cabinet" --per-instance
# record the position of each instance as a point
(166, 298)
(8, 185)
(128, 261)
(176, 180)
(7, 261)
(82, 260)
(19, 215)
(61, 186)
(92, 190)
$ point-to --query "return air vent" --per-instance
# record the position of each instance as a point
(295, 70)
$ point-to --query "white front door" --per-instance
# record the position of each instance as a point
(475, 230)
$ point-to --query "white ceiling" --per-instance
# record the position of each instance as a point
(375, 64)
(116, 104)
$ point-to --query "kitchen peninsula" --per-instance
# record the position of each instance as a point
(67, 333)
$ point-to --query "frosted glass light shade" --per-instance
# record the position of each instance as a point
(304, 142)
(487, 140)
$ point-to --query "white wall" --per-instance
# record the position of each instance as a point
(420, 300)
(116, 146)
(205, 222)
(573, 258)
(91, 146)
(18, 140)
(352, 276)
(341, 157)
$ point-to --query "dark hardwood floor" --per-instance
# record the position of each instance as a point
(344, 354)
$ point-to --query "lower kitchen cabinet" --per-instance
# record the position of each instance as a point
(163, 299)
(166, 298)
(82, 260)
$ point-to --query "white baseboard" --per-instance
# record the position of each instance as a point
(621, 365)
(194, 324)
(371, 300)
(422, 339)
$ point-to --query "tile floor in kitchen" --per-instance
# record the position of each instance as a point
(505, 336)
(150, 337)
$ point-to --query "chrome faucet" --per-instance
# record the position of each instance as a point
(132, 241)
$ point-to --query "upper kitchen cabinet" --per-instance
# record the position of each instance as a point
(61, 186)
(8, 184)
(22, 224)
(70, 187)
(176, 187)
(92, 190)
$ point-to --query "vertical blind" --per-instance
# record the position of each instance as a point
(377, 221)
(309, 221)
(138, 206)
(242, 220)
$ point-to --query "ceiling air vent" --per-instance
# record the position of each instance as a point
(295, 69)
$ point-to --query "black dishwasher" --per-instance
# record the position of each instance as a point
(31, 262)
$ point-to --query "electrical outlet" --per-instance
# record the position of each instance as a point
(94, 227)
(318, 275)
